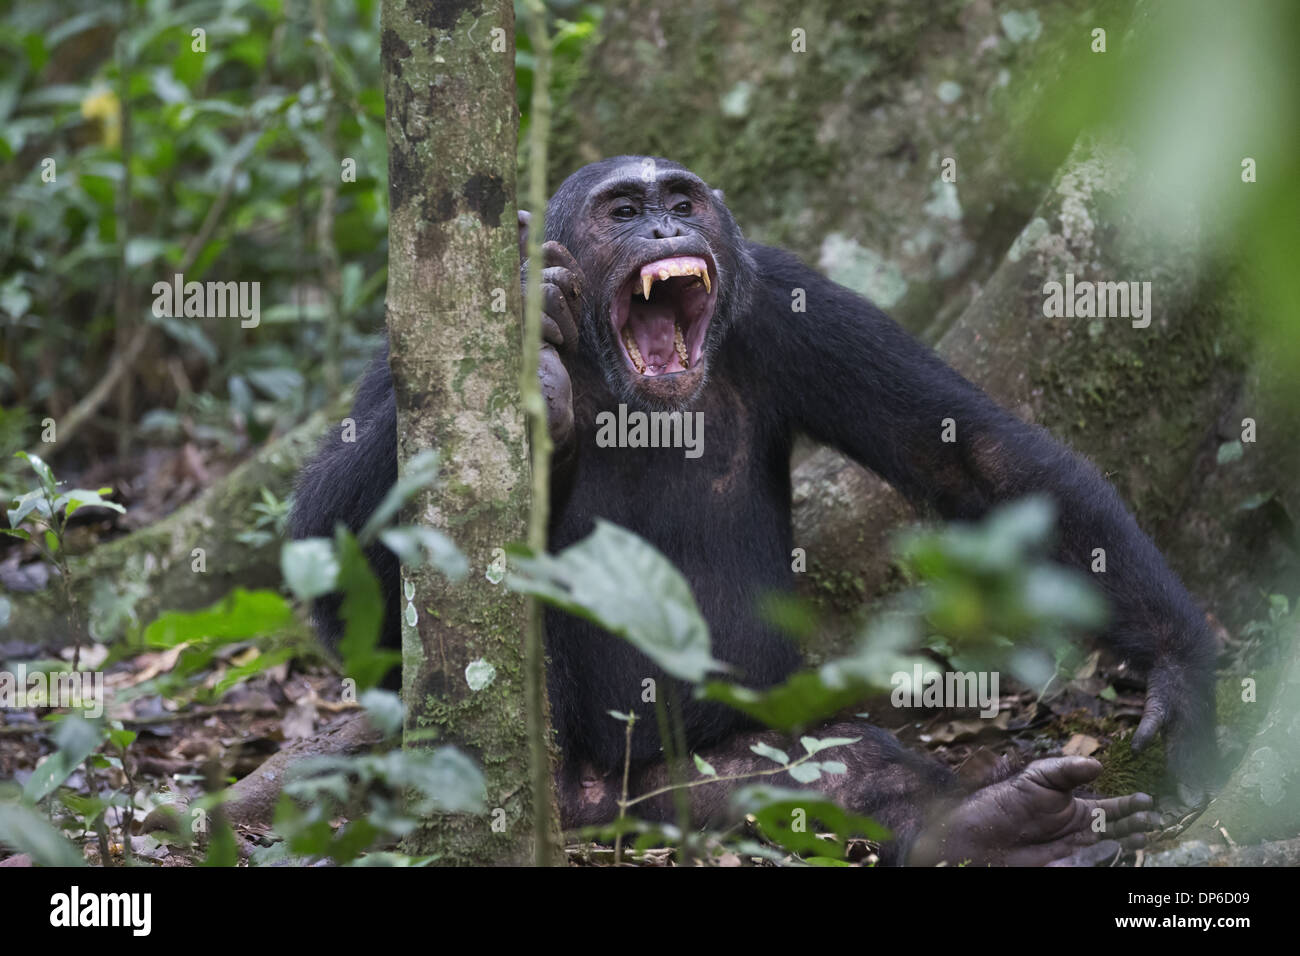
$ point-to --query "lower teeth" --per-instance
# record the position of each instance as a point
(634, 351)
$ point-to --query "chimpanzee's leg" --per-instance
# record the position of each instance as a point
(1028, 818)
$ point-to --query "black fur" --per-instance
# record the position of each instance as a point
(841, 372)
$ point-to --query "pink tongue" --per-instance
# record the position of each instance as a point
(653, 328)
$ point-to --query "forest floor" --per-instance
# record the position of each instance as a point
(227, 717)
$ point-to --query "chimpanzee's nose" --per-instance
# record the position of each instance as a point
(666, 229)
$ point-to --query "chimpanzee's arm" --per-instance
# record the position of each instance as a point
(852, 378)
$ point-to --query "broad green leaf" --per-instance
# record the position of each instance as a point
(76, 739)
(808, 697)
(774, 809)
(26, 831)
(259, 663)
(42, 470)
(703, 766)
(26, 504)
(309, 567)
(414, 543)
(384, 709)
(621, 583)
(362, 612)
(84, 498)
(421, 472)
(238, 616)
(448, 780)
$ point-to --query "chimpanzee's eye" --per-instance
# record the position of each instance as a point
(683, 208)
(624, 212)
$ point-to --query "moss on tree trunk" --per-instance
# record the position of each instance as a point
(1150, 406)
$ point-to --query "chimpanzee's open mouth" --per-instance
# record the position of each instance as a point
(661, 314)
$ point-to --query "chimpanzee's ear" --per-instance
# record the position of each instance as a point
(525, 217)
(719, 195)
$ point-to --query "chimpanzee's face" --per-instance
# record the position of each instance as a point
(661, 255)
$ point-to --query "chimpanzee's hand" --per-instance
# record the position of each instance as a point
(562, 283)
(1034, 819)
(1180, 701)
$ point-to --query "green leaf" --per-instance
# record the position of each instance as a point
(449, 782)
(1230, 451)
(76, 738)
(414, 543)
(261, 662)
(421, 472)
(808, 697)
(812, 745)
(238, 616)
(771, 753)
(774, 810)
(806, 772)
(384, 709)
(26, 504)
(362, 613)
(42, 470)
(25, 831)
(620, 582)
(703, 766)
(309, 567)
(84, 498)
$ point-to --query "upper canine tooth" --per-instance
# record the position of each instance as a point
(647, 281)
(704, 274)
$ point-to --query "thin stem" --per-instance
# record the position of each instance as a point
(124, 319)
(622, 803)
(706, 780)
(539, 436)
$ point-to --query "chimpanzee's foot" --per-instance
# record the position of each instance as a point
(1033, 819)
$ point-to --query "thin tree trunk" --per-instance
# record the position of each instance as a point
(454, 325)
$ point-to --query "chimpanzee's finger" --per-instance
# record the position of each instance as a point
(1116, 807)
(1063, 773)
(554, 254)
(1153, 718)
(559, 309)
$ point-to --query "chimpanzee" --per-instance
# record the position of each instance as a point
(654, 300)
